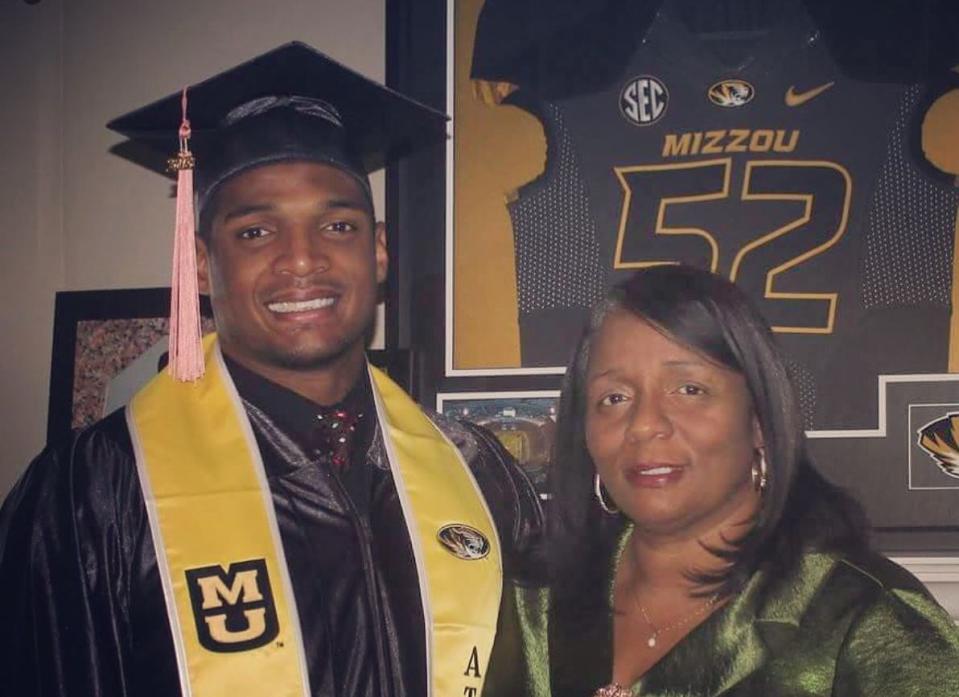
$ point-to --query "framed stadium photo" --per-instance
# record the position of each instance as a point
(524, 422)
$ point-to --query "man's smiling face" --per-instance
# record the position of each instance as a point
(292, 266)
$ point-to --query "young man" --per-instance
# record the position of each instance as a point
(290, 523)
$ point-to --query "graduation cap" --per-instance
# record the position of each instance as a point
(291, 103)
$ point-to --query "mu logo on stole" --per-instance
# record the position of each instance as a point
(233, 607)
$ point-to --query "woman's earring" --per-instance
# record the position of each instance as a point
(760, 472)
(598, 490)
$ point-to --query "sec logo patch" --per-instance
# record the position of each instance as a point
(643, 100)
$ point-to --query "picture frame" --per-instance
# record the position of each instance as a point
(97, 335)
(523, 421)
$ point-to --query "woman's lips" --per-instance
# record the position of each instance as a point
(653, 475)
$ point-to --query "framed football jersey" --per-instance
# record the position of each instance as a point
(593, 140)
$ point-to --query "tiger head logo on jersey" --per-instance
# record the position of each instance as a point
(731, 93)
(643, 100)
(233, 607)
(940, 438)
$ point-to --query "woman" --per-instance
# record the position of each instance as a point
(695, 550)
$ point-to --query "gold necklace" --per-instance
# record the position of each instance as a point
(681, 622)
(616, 689)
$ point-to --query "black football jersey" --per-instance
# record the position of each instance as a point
(806, 187)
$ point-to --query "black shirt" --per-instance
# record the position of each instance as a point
(297, 416)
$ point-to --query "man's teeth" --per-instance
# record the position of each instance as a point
(301, 305)
(657, 470)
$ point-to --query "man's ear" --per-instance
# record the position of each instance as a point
(382, 257)
(202, 267)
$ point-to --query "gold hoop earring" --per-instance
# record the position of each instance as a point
(760, 472)
(598, 491)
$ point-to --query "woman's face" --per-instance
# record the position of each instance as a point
(672, 434)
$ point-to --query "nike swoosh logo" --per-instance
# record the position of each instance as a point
(794, 98)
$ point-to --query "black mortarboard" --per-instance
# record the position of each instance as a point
(290, 103)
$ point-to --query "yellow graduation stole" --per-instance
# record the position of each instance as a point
(228, 593)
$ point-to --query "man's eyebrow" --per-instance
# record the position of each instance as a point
(352, 204)
(603, 374)
(247, 210)
(333, 204)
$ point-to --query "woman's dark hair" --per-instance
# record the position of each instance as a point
(798, 508)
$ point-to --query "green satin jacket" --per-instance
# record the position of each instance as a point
(836, 627)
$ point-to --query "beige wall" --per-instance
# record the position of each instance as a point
(78, 218)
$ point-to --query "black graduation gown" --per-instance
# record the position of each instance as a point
(82, 608)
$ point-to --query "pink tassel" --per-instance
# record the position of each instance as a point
(186, 349)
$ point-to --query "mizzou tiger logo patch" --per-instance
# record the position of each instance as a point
(464, 542)
(731, 93)
(940, 438)
(233, 607)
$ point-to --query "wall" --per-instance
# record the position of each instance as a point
(80, 218)
(32, 261)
